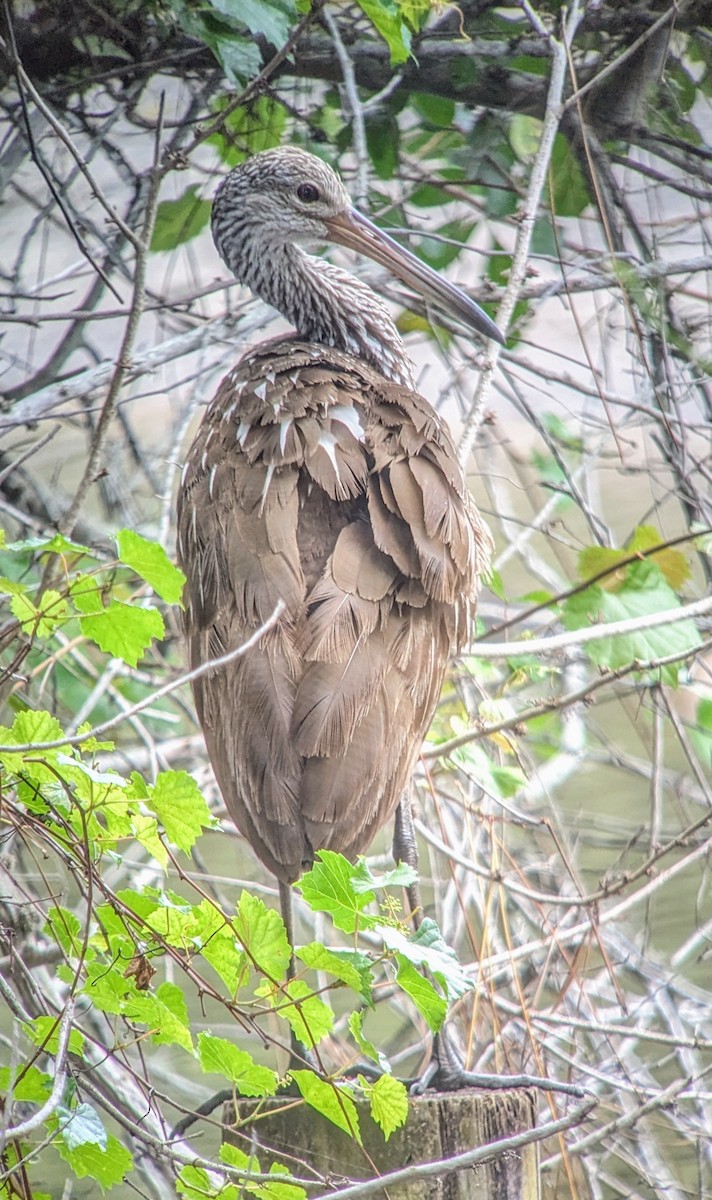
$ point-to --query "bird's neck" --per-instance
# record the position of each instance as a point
(329, 306)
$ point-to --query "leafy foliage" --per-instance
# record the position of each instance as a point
(178, 221)
(110, 953)
(633, 587)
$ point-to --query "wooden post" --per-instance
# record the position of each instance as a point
(439, 1126)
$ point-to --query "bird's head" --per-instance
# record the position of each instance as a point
(288, 196)
(283, 195)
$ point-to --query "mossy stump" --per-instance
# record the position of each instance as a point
(439, 1126)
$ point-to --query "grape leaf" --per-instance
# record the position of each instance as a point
(150, 561)
(123, 630)
(220, 1057)
(179, 804)
(262, 933)
(388, 1099)
(329, 887)
(179, 220)
(330, 1099)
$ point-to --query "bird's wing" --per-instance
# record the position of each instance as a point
(237, 520)
(393, 600)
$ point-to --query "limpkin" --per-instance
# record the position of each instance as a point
(320, 477)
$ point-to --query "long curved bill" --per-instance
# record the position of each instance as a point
(351, 229)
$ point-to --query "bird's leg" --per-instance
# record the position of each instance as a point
(285, 904)
(296, 1050)
(299, 1055)
(405, 850)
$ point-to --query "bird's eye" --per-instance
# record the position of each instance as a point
(308, 193)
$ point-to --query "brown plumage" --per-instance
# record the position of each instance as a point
(319, 479)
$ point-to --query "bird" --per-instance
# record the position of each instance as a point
(321, 478)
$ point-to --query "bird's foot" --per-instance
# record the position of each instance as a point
(446, 1073)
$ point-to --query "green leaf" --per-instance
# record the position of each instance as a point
(704, 715)
(672, 563)
(275, 1189)
(365, 882)
(145, 902)
(11, 587)
(123, 630)
(426, 999)
(38, 726)
(238, 56)
(216, 941)
(350, 966)
(382, 141)
(43, 619)
(439, 252)
(249, 129)
(107, 1167)
(273, 18)
(560, 432)
(389, 1104)
(568, 186)
(44, 1031)
(177, 221)
(66, 930)
(81, 1126)
(145, 830)
(180, 806)
(329, 887)
(107, 987)
(233, 1156)
(524, 135)
(499, 782)
(220, 1057)
(332, 1100)
(641, 592)
(701, 733)
(427, 948)
(150, 561)
(436, 110)
(493, 580)
(356, 1028)
(165, 1012)
(310, 1019)
(386, 18)
(54, 545)
(27, 1084)
(86, 594)
(193, 1183)
(427, 196)
(262, 933)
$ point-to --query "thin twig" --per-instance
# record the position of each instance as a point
(537, 180)
(665, 19)
(60, 1078)
(76, 154)
(123, 364)
(213, 664)
(360, 187)
(595, 633)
